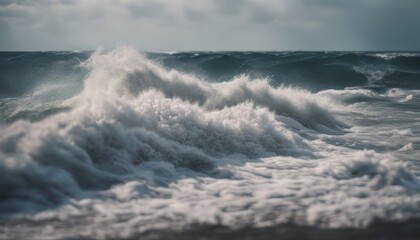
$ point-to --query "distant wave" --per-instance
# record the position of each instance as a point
(389, 56)
(312, 70)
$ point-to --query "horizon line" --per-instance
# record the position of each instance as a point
(197, 51)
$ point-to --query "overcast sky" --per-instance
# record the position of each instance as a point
(175, 25)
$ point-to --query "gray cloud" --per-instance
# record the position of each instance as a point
(158, 25)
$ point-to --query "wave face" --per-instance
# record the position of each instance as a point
(119, 143)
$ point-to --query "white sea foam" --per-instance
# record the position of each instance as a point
(389, 56)
(146, 148)
(354, 95)
(374, 73)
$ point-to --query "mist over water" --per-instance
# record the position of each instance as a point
(115, 144)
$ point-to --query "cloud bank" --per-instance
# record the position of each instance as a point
(166, 25)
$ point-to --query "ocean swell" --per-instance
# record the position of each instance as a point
(142, 147)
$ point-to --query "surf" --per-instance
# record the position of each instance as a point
(150, 146)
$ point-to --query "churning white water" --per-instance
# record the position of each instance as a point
(142, 147)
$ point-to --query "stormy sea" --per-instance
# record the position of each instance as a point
(124, 144)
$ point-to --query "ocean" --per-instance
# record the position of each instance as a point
(124, 144)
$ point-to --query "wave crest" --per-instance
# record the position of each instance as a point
(128, 73)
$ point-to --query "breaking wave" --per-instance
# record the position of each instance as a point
(132, 111)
